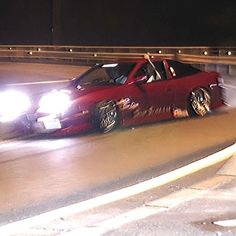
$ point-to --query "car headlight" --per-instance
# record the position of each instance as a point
(12, 105)
(55, 102)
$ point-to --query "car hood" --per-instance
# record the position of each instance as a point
(78, 92)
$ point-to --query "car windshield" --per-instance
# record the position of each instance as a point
(116, 73)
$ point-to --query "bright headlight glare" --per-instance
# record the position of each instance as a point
(12, 104)
(55, 102)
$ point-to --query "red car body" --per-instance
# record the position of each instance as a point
(105, 96)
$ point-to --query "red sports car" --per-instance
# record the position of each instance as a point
(123, 93)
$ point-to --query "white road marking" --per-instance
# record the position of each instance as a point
(39, 82)
(226, 223)
(22, 225)
(226, 86)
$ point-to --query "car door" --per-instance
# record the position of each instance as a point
(158, 93)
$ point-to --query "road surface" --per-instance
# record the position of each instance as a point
(40, 174)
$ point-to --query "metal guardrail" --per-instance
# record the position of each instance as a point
(91, 54)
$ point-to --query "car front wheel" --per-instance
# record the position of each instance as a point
(200, 102)
(106, 116)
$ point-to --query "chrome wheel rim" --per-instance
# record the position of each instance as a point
(108, 117)
(200, 101)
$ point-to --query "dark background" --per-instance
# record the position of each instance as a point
(123, 22)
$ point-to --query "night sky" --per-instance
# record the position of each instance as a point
(123, 22)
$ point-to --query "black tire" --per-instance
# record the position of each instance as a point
(200, 102)
(106, 116)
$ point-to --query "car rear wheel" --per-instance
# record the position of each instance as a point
(200, 102)
(106, 116)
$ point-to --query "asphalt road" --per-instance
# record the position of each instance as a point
(37, 175)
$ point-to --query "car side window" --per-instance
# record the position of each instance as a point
(161, 70)
(179, 69)
(152, 74)
(141, 72)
